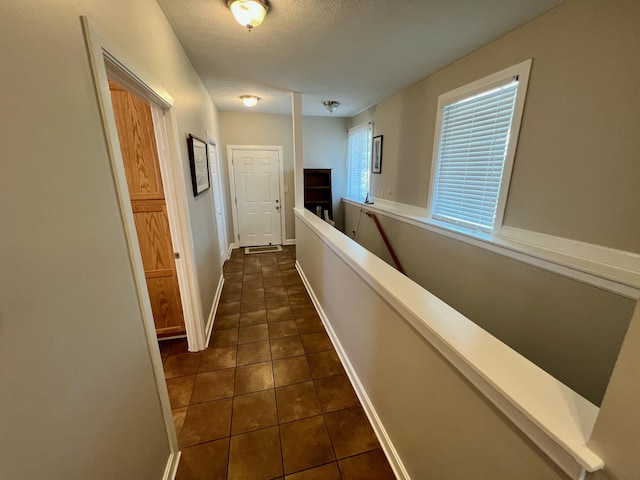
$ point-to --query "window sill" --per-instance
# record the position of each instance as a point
(614, 270)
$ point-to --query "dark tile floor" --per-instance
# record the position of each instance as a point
(269, 398)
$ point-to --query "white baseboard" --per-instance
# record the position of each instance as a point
(232, 247)
(214, 309)
(289, 241)
(172, 466)
(387, 446)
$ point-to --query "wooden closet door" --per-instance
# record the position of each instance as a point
(144, 179)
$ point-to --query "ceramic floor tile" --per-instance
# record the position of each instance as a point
(368, 466)
(254, 411)
(275, 290)
(230, 307)
(295, 289)
(254, 353)
(255, 317)
(305, 444)
(247, 287)
(335, 393)
(279, 314)
(181, 365)
(213, 386)
(286, 347)
(226, 321)
(224, 338)
(254, 333)
(304, 310)
(252, 305)
(297, 401)
(329, 471)
(255, 455)
(310, 325)
(218, 358)
(325, 364)
(251, 277)
(288, 328)
(206, 422)
(316, 342)
(279, 301)
(207, 461)
(291, 370)
(180, 389)
(252, 294)
(351, 432)
(300, 299)
(176, 346)
(253, 378)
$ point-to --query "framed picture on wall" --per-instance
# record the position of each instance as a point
(199, 161)
(376, 160)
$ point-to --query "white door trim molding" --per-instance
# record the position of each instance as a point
(234, 204)
(104, 52)
(213, 144)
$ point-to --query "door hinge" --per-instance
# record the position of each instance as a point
(236, 200)
(176, 255)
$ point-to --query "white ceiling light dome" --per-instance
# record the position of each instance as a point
(249, 13)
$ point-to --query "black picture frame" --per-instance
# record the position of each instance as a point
(376, 155)
(199, 162)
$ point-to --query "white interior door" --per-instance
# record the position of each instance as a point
(257, 187)
(217, 198)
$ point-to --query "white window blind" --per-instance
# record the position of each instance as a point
(359, 161)
(474, 137)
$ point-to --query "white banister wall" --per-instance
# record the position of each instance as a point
(447, 400)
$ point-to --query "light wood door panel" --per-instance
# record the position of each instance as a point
(140, 155)
(138, 144)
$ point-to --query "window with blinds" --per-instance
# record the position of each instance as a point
(359, 162)
(474, 151)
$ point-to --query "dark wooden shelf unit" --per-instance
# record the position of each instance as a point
(317, 190)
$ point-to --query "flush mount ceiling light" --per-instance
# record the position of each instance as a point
(249, 13)
(249, 100)
(331, 105)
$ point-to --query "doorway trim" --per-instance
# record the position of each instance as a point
(232, 183)
(108, 60)
(212, 143)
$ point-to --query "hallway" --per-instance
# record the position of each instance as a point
(269, 398)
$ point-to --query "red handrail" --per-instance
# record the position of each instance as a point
(373, 217)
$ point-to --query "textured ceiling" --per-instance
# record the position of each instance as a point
(355, 51)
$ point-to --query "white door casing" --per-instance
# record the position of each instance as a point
(217, 198)
(256, 182)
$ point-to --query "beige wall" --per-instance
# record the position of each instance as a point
(239, 128)
(576, 173)
(616, 436)
(440, 425)
(324, 144)
(79, 398)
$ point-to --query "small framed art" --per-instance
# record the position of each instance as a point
(376, 160)
(199, 161)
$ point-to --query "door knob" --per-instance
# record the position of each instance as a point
(277, 207)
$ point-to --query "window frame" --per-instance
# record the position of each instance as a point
(522, 70)
(363, 126)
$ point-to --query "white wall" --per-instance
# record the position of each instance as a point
(325, 146)
(79, 398)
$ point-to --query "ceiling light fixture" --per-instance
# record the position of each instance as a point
(249, 100)
(331, 105)
(249, 13)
